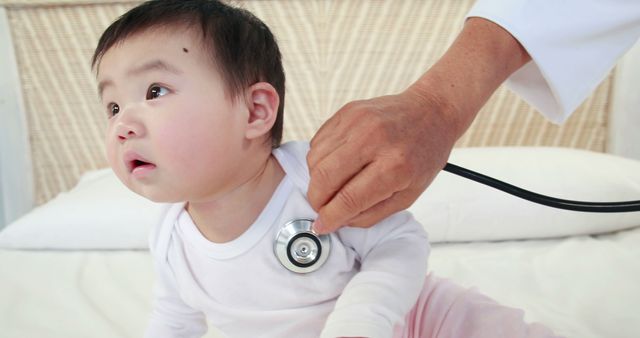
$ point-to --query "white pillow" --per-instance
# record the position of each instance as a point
(456, 209)
(100, 213)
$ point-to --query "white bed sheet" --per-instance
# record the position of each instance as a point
(579, 286)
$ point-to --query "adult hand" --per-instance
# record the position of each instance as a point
(375, 157)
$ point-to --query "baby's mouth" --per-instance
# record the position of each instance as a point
(140, 168)
(138, 163)
(135, 162)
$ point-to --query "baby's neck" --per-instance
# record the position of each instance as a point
(226, 218)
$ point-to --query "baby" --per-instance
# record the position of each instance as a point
(194, 94)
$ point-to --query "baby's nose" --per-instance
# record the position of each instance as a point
(126, 130)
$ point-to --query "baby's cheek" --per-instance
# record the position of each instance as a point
(110, 152)
(115, 162)
(178, 144)
(109, 145)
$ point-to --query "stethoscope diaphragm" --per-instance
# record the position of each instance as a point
(299, 248)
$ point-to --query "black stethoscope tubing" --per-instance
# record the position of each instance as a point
(606, 207)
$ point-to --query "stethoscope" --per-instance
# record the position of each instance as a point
(301, 250)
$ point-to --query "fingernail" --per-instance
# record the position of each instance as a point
(317, 226)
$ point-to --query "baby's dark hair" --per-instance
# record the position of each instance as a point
(241, 45)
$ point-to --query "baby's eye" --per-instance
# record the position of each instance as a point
(155, 91)
(113, 109)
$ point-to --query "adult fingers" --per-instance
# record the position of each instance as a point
(399, 201)
(327, 138)
(371, 186)
(334, 171)
(333, 133)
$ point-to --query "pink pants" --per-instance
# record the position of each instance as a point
(445, 309)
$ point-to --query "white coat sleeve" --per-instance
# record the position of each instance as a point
(393, 256)
(573, 45)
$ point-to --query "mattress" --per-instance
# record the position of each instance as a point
(581, 286)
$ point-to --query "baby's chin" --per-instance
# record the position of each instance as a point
(158, 196)
(153, 193)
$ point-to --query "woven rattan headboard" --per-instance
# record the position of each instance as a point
(334, 51)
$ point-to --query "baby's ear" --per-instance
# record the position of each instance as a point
(263, 102)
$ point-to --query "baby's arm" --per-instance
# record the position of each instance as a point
(171, 317)
(393, 258)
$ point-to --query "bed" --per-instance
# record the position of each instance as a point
(73, 251)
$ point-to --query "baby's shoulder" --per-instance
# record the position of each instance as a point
(293, 154)
(292, 157)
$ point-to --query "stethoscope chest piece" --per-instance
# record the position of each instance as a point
(299, 248)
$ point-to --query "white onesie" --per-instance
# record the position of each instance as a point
(368, 284)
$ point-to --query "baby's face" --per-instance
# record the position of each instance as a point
(173, 134)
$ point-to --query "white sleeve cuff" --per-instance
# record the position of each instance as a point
(573, 44)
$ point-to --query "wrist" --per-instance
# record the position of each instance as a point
(482, 57)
